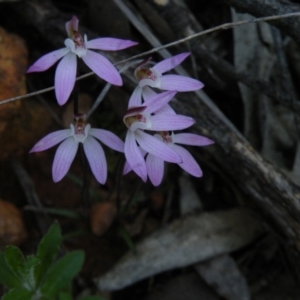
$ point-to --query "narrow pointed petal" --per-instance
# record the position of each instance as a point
(63, 159)
(136, 97)
(156, 147)
(134, 156)
(51, 140)
(48, 60)
(170, 63)
(96, 159)
(180, 83)
(158, 101)
(65, 76)
(108, 138)
(167, 109)
(72, 25)
(191, 139)
(155, 167)
(148, 93)
(189, 164)
(110, 44)
(168, 122)
(102, 67)
(127, 167)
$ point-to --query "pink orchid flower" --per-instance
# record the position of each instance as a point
(155, 165)
(76, 45)
(79, 133)
(138, 119)
(154, 78)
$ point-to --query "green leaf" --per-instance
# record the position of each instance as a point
(47, 251)
(18, 294)
(65, 296)
(16, 260)
(21, 267)
(29, 272)
(61, 273)
(7, 276)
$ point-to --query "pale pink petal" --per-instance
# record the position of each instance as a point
(168, 122)
(148, 93)
(108, 138)
(127, 167)
(191, 139)
(64, 156)
(110, 44)
(134, 156)
(51, 140)
(72, 25)
(180, 83)
(170, 63)
(96, 158)
(48, 60)
(155, 167)
(189, 164)
(65, 76)
(102, 67)
(167, 109)
(158, 101)
(156, 147)
(136, 97)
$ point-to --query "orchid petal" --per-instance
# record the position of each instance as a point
(167, 122)
(48, 60)
(148, 93)
(134, 156)
(72, 26)
(102, 67)
(191, 139)
(136, 97)
(63, 159)
(189, 164)
(127, 167)
(51, 140)
(167, 109)
(156, 147)
(180, 83)
(108, 138)
(170, 63)
(158, 101)
(155, 167)
(96, 159)
(110, 44)
(65, 76)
